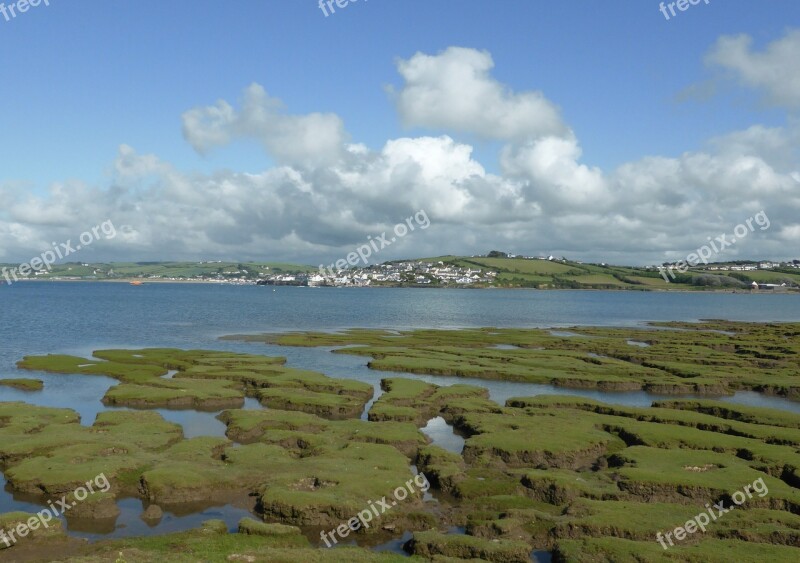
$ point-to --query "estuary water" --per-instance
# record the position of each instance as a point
(77, 318)
(45, 317)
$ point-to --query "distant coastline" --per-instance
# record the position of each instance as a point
(494, 270)
(678, 289)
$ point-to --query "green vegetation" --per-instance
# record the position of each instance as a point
(23, 384)
(406, 400)
(209, 381)
(567, 274)
(323, 404)
(306, 434)
(255, 528)
(742, 413)
(210, 544)
(589, 480)
(170, 270)
(619, 550)
(614, 477)
(511, 272)
(711, 357)
(39, 533)
(186, 393)
(430, 544)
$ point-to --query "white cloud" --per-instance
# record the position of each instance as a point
(292, 139)
(551, 172)
(454, 91)
(775, 70)
(790, 233)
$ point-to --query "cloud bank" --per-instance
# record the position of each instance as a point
(326, 193)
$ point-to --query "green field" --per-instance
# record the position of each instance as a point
(519, 266)
(765, 276)
(556, 274)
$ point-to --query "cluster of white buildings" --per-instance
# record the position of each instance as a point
(754, 266)
(413, 273)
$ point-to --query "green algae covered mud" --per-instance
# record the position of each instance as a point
(207, 380)
(714, 357)
(23, 384)
(580, 478)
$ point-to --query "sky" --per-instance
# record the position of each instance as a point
(282, 130)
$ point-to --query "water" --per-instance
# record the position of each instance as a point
(444, 435)
(355, 367)
(77, 318)
(129, 522)
(47, 317)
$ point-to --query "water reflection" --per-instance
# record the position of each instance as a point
(81, 393)
(175, 519)
(129, 523)
(443, 435)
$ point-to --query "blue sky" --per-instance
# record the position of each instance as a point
(83, 78)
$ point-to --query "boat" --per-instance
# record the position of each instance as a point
(137, 283)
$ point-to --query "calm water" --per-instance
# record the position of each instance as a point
(45, 317)
(76, 318)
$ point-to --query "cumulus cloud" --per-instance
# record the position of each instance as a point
(291, 139)
(776, 145)
(775, 70)
(454, 91)
(552, 174)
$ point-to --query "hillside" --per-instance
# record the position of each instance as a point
(169, 270)
(548, 274)
(511, 272)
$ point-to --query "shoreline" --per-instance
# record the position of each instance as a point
(209, 282)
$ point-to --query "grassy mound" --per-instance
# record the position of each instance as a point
(431, 544)
(209, 543)
(23, 384)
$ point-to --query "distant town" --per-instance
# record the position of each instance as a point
(494, 270)
(395, 273)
